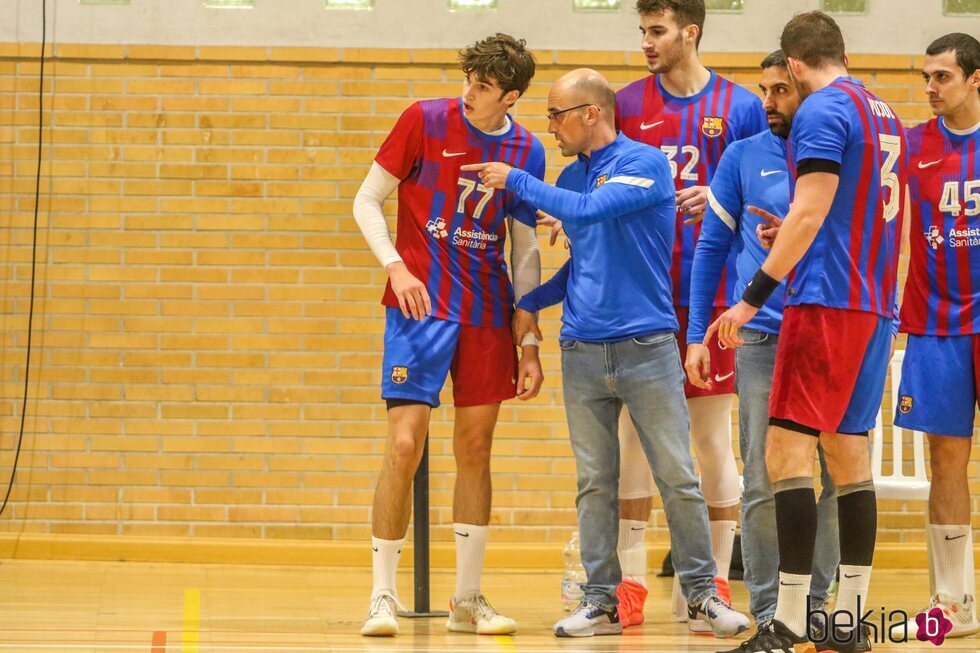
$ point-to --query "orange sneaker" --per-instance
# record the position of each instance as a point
(724, 589)
(631, 597)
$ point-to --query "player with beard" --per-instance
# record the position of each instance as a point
(839, 246)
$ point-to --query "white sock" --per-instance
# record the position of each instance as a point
(854, 581)
(632, 550)
(384, 562)
(791, 604)
(722, 541)
(949, 553)
(471, 545)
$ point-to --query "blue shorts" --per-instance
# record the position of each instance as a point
(938, 392)
(419, 354)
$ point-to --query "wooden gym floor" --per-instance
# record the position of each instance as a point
(89, 607)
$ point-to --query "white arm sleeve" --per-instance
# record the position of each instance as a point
(525, 261)
(370, 217)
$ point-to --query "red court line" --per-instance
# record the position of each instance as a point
(159, 643)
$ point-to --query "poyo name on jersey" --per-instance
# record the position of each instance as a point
(964, 237)
(473, 239)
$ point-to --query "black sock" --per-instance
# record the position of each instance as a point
(857, 516)
(796, 529)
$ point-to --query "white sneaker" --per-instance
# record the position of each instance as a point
(382, 619)
(474, 614)
(958, 612)
(589, 619)
(722, 619)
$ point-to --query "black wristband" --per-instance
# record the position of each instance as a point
(759, 289)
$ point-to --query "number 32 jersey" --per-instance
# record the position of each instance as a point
(942, 295)
(693, 132)
(451, 228)
(853, 261)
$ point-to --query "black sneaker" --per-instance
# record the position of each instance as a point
(774, 636)
(856, 641)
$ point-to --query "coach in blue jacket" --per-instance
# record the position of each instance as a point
(618, 344)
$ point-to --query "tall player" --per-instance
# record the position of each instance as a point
(449, 304)
(753, 175)
(692, 114)
(848, 153)
(941, 309)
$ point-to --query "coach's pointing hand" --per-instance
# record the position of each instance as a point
(492, 175)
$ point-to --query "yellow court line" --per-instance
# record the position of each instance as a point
(506, 642)
(191, 637)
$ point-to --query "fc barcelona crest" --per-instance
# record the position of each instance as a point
(905, 405)
(600, 180)
(713, 126)
(399, 374)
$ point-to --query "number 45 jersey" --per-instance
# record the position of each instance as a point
(451, 228)
(942, 295)
(853, 261)
(693, 132)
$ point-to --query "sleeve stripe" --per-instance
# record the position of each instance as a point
(642, 182)
(722, 212)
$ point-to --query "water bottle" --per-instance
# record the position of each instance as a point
(573, 579)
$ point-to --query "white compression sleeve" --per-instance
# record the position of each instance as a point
(369, 215)
(525, 262)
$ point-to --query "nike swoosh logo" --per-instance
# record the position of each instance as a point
(449, 155)
(644, 126)
(922, 165)
(462, 534)
(643, 528)
(851, 575)
(790, 584)
(375, 548)
(950, 539)
(720, 378)
(766, 173)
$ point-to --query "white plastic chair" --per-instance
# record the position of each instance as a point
(901, 486)
(898, 484)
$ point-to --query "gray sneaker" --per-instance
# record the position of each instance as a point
(589, 619)
(724, 620)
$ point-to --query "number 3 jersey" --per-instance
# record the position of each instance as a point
(853, 261)
(942, 295)
(693, 132)
(451, 228)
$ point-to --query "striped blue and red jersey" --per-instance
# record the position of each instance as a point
(451, 228)
(693, 132)
(853, 261)
(942, 294)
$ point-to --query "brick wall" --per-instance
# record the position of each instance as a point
(207, 329)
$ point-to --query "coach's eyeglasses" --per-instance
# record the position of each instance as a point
(554, 114)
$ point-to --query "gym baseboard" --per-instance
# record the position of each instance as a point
(345, 553)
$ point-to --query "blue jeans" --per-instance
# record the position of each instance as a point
(754, 364)
(645, 375)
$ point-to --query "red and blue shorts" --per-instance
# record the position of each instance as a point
(420, 353)
(830, 371)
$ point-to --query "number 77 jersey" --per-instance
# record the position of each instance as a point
(452, 228)
(853, 261)
(942, 295)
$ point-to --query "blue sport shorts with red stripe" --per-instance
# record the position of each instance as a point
(831, 365)
(419, 354)
(938, 392)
